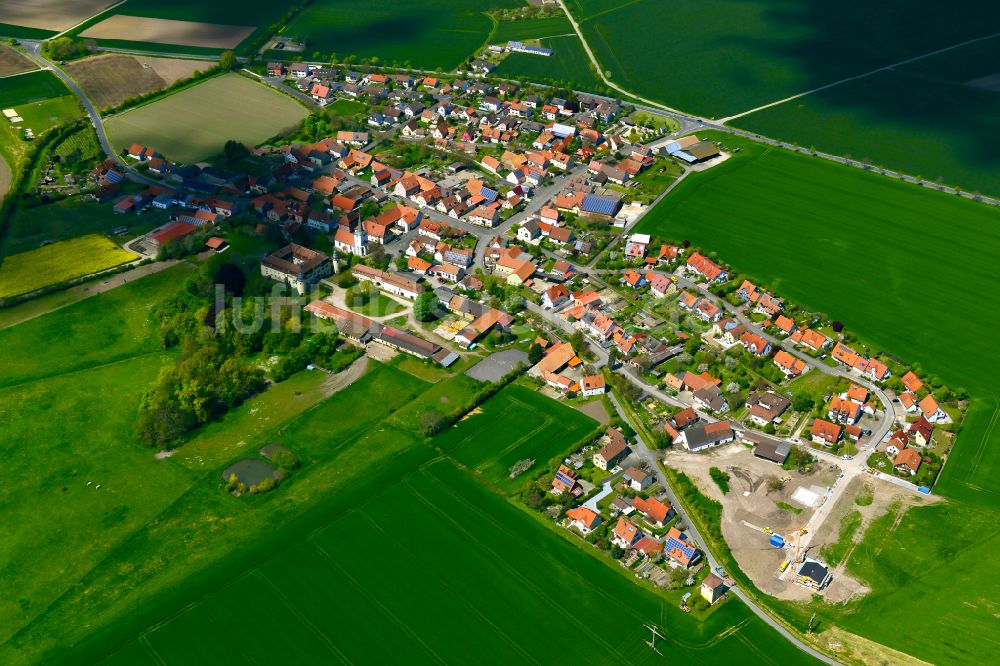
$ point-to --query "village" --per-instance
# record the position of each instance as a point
(483, 218)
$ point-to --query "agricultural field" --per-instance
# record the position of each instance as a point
(514, 425)
(13, 61)
(935, 118)
(31, 87)
(393, 592)
(59, 262)
(567, 67)
(167, 31)
(48, 15)
(817, 223)
(427, 34)
(552, 26)
(110, 79)
(192, 125)
(749, 54)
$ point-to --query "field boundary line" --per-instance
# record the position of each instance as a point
(610, 10)
(299, 614)
(455, 593)
(89, 18)
(30, 71)
(79, 370)
(723, 121)
(143, 640)
(990, 426)
(499, 560)
(375, 601)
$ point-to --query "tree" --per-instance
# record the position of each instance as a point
(232, 278)
(401, 262)
(368, 209)
(424, 306)
(535, 353)
(577, 342)
(838, 326)
(802, 402)
(227, 60)
(234, 151)
(284, 459)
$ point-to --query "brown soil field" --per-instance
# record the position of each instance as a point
(166, 31)
(12, 62)
(111, 79)
(55, 15)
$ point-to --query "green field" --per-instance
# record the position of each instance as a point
(567, 67)
(21, 32)
(938, 130)
(868, 250)
(59, 262)
(196, 122)
(720, 57)
(30, 87)
(514, 425)
(427, 34)
(552, 26)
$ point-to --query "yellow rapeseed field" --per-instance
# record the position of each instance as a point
(25, 272)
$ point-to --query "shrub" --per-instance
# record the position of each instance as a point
(285, 460)
(721, 479)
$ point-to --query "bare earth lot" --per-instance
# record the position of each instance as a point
(49, 14)
(167, 31)
(12, 62)
(111, 79)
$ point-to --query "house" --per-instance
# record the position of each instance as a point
(908, 401)
(810, 338)
(635, 246)
(897, 442)
(707, 310)
(785, 324)
(755, 344)
(393, 283)
(790, 365)
(922, 431)
(583, 519)
(656, 513)
(857, 394)
(592, 385)
(766, 408)
(844, 411)
(931, 410)
(613, 452)
(171, 231)
(555, 296)
(679, 549)
(566, 481)
(701, 265)
(912, 382)
(638, 479)
(633, 279)
(216, 244)
(824, 432)
(659, 285)
(693, 382)
(713, 588)
(813, 574)
(138, 152)
(705, 435)
(870, 367)
(907, 461)
(529, 232)
(625, 534)
(711, 398)
(297, 266)
(684, 418)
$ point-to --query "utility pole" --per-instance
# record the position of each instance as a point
(652, 642)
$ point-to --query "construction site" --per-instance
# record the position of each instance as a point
(766, 519)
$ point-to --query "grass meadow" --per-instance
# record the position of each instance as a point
(514, 425)
(30, 87)
(195, 123)
(428, 34)
(551, 26)
(59, 262)
(720, 57)
(568, 66)
(873, 252)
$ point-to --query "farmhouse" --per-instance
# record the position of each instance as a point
(592, 385)
(613, 452)
(296, 266)
(171, 231)
(705, 435)
(766, 448)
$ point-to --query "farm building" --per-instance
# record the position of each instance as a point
(296, 266)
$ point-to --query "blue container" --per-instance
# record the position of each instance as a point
(924, 489)
(777, 541)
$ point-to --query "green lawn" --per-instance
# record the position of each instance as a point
(346, 107)
(719, 57)
(514, 425)
(193, 124)
(428, 34)
(868, 250)
(380, 305)
(568, 66)
(938, 130)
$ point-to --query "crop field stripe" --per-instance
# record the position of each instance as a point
(302, 617)
(150, 650)
(376, 602)
(471, 607)
(499, 560)
(984, 441)
(544, 425)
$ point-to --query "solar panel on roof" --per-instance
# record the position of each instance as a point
(488, 194)
(600, 205)
(679, 545)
